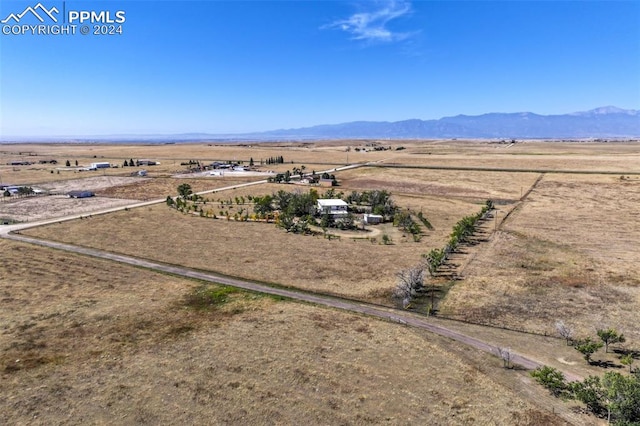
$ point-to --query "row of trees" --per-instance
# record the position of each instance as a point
(461, 233)
(410, 282)
(614, 396)
(275, 160)
(588, 346)
(298, 172)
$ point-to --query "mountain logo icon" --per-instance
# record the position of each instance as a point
(34, 11)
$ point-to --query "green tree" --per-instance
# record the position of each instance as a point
(184, 190)
(627, 360)
(623, 397)
(25, 190)
(170, 201)
(68, 163)
(434, 259)
(552, 379)
(425, 221)
(263, 205)
(610, 336)
(587, 347)
(591, 393)
(125, 164)
(251, 162)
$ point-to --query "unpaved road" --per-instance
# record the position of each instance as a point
(401, 317)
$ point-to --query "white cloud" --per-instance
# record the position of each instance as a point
(372, 25)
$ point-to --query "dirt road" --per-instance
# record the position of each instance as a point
(394, 315)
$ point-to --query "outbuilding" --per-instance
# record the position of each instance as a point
(101, 165)
(80, 194)
(372, 219)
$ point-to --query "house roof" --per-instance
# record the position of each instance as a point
(333, 202)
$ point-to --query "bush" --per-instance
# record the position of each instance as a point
(552, 379)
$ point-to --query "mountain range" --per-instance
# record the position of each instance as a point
(604, 122)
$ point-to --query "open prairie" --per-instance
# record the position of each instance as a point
(569, 253)
(86, 341)
(561, 246)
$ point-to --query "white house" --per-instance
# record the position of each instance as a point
(334, 207)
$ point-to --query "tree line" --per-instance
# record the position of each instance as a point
(410, 282)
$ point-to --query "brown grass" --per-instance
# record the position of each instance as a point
(87, 341)
(568, 254)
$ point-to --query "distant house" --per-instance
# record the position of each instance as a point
(146, 162)
(19, 163)
(102, 165)
(80, 194)
(334, 207)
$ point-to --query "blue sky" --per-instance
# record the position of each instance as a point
(243, 66)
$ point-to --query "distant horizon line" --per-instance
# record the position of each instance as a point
(263, 134)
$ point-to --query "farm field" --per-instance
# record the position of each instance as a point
(357, 268)
(569, 253)
(85, 340)
(561, 246)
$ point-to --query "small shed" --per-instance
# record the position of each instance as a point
(80, 194)
(372, 219)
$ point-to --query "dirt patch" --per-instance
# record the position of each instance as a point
(93, 183)
(161, 187)
(50, 206)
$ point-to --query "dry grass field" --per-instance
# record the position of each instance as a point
(356, 268)
(529, 155)
(567, 252)
(570, 253)
(86, 341)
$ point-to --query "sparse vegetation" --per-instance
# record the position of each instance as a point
(543, 263)
(587, 347)
(610, 336)
(564, 331)
(614, 396)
